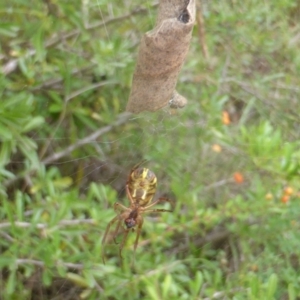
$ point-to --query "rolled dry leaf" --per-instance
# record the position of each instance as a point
(161, 55)
(177, 101)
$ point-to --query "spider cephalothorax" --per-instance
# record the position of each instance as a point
(130, 222)
(140, 189)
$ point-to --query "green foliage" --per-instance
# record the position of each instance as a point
(66, 150)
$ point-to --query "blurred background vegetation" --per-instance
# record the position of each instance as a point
(230, 159)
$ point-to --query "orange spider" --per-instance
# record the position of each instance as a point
(140, 189)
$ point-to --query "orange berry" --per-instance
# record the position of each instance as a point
(238, 177)
(269, 196)
(288, 191)
(216, 148)
(254, 268)
(285, 199)
(294, 223)
(225, 118)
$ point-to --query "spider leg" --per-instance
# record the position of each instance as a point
(159, 200)
(117, 231)
(138, 232)
(118, 206)
(105, 236)
(138, 164)
(122, 245)
(129, 196)
(155, 210)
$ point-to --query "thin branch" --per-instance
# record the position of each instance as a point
(287, 87)
(221, 294)
(54, 81)
(212, 237)
(223, 76)
(99, 288)
(87, 88)
(11, 65)
(201, 31)
(44, 226)
(122, 118)
(248, 89)
(139, 10)
(217, 184)
(217, 235)
(30, 261)
(22, 225)
(76, 222)
(22, 261)
(158, 270)
(7, 236)
(41, 264)
(63, 112)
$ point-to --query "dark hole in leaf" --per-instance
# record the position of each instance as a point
(184, 17)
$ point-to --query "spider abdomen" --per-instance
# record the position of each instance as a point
(142, 186)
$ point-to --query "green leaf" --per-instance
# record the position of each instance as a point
(23, 67)
(196, 284)
(38, 42)
(152, 292)
(11, 282)
(5, 152)
(86, 293)
(33, 123)
(47, 277)
(78, 280)
(4, 133)
(292, 292)
(63, 182)
(272, 286)
(166, 285)
(19, 206)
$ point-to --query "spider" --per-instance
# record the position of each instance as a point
(140, 189)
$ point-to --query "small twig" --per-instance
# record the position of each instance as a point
(44, 226)
(7, 236)
(217, 184)
(63, 112)
(287, 87)
(99, 288)
(53, 132)
(246, 87)
(157, 239)
(217, 235)
(22, 261)
(122, 118)
(87, 88)
(54, 81)
(76, 222)
(139, 10)
(211, 237)
(11, 65)
(223, 75)
(162, 268)
(73, 266)
(221, 294)
(201, 31)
